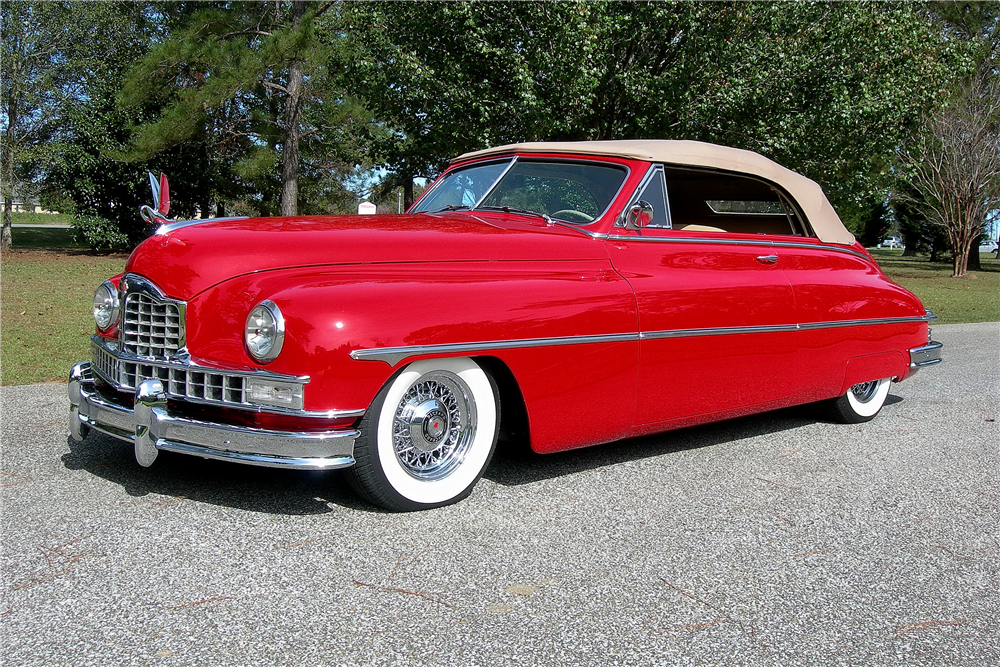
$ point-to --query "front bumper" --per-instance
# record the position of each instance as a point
(150, 427)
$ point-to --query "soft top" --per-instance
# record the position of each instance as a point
(809, 195)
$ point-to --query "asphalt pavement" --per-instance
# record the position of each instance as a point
(770, 540)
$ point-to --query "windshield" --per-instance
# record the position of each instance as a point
(574, 192)
(462, 188)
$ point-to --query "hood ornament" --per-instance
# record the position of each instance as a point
(157, 213)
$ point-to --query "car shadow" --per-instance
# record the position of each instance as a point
(250, 488)
(297, 492)
(515, 464)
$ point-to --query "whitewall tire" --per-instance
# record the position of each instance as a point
(861, 402)
(428, 436)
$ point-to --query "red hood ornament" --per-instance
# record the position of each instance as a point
(157, 214)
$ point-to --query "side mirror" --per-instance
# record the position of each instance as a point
(640, 214)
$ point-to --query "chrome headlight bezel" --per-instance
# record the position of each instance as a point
(106, 305)
(264, 331)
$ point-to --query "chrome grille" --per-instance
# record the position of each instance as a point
(179, 381)
(152, 327)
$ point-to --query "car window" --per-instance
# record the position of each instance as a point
(462, 188)
(727, 203)
(654, 192)
(569, 191)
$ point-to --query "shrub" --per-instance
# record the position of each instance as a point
(100, 234)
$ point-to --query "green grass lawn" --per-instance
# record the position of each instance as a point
(975, 298)
(46, 296)
(45, 304)
(25, 218)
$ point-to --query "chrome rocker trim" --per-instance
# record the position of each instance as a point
(151, 428)
(928, 355)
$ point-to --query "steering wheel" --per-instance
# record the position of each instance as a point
(573, 213)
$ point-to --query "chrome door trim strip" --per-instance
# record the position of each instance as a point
(716, 331)
(836, 324)
(738, 242)
(393, 355)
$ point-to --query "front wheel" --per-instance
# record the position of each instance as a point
(861, 402)
(428, 436)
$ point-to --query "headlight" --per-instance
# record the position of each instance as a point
(106, 305)
(264, 332)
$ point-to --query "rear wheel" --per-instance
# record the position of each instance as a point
(861, 402)
(428, 436)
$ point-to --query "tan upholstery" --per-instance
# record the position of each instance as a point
(699, 228)
(809, 195)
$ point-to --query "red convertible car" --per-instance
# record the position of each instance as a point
(566, 294)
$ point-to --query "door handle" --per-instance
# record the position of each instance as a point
(768, 259)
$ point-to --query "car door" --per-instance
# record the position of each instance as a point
(716, 313)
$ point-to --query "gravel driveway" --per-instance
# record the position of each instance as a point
(768, 540)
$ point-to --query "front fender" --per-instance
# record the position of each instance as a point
(331, 312)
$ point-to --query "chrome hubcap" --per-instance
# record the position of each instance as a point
(865, 391)
(434, 425)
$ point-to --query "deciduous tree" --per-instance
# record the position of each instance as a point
(954, 168)
(35, 84)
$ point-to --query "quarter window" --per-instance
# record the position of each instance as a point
(725, 203)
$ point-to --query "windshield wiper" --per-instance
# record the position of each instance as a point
(508, 209)
(451, 207)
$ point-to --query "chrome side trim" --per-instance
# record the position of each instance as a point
(393, 355)
(737, 242)
(719, 331)
(150, 428)
(862, 323)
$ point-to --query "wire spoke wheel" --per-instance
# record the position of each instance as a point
(433, 426)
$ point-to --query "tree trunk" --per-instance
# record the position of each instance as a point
(7, 207)
(974, 262)
(290, 147)
(8, 198)
(407, 192)
(960, 261)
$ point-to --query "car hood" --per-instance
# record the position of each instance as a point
(186, 258)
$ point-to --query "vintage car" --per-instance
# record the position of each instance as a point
(559, 294)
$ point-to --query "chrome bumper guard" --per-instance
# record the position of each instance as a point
(151, 429)
(928, 355)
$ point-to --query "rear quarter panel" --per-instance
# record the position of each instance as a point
(839, 284)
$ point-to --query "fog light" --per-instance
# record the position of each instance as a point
(274, 393)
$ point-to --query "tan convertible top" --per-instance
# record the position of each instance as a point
(809, 195)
